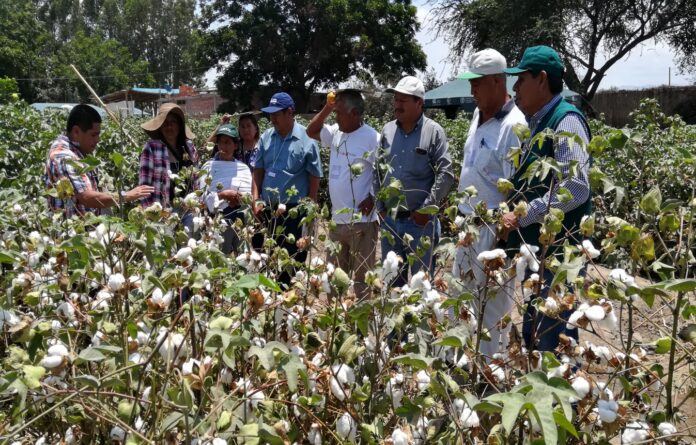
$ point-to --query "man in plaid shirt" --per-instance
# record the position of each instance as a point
(74, 192)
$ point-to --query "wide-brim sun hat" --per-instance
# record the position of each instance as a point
(153, 126)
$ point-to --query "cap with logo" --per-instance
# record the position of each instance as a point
(228, 130)
(484, 63)
(409, 85)
(539, 58)
(279, 101)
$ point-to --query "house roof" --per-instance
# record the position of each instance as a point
(457, 92)
(139, 94)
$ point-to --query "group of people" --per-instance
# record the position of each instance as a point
(389, 180)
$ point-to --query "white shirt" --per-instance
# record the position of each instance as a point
(232, 175)
(485, 152)
(346, 190)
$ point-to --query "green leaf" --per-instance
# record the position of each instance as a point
(7, 257)
(222, 323)
(265, 354)
(33, 375)
(292, 366)
(429, 210)
(416, 361)
(512, 405)
(249, 434)
(542, 408)
(88, 380)
(253, 281)
(91, 355)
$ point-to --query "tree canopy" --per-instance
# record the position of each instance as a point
(115, 43)
(590, 35)
(301, 45)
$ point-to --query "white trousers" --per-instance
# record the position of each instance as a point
(498, 298)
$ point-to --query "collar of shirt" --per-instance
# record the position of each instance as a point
(296, 133)
(419, 124)
(507, 108)
(74, 146)
(539, 115)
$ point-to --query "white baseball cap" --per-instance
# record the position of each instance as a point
(483, 63)
(409, 85)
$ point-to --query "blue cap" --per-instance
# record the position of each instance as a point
(279, 101)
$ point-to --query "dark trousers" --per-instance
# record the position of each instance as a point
(541, 332)
(289, 226)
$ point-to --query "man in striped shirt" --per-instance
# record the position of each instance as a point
(538, 94)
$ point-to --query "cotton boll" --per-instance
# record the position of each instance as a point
(342, 378)
(573, 319)
(102, 301)
(59, 350)
(490, 255)
(398, 437)
(314, 435)
(66, 310)
(420, 282)
(346, 427)
(422, 380)
(52, 361)
(621, 276)
(69, 437)
(666, 429)
(390, 266)
(394, 390)
(116, 282)
(608, 410)
(498, 372)
(117, 434)
(589, 249)
(635, 432)
(469, 418)
(595, 313)
(183, 254)
(581, 387)
(226, 376)
(558, 371)
(9, 319)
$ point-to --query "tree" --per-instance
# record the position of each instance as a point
(580, 30)
(23, 42)
(108, 64)
(301, 45)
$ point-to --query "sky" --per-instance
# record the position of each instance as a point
(646, 66)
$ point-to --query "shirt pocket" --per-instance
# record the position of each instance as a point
(296, 161)
(419, 163)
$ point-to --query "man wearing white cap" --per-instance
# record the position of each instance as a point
(485, 161)
(413, 151)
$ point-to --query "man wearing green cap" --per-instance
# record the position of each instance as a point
(490, 138)
(538, 94)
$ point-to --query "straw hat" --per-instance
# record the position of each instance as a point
(152, 126)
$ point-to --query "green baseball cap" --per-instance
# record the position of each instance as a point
(539, 58)
(228, 130)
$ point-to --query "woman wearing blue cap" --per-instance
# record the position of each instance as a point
(226, 180)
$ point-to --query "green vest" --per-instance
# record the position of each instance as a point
(537, 189)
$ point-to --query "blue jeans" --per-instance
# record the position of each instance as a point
(541, 332)
(402, 226)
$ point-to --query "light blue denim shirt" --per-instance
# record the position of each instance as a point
(287, 162)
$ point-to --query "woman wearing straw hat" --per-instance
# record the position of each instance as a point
(169, 151)
(226, 181)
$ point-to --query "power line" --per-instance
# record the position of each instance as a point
(129, 76)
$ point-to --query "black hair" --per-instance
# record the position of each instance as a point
(84, 116)
(555, 82)
(253, 120)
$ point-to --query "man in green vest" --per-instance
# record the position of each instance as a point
(538, 94)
